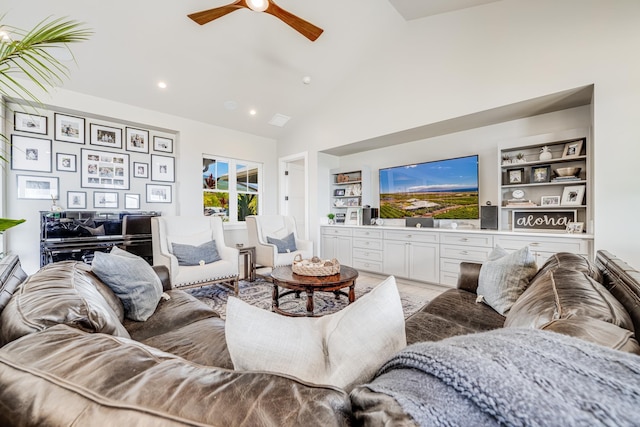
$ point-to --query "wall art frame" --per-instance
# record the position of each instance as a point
(131, 201)
(76, 200)
(163, 144)
(105, 136)
(573, 195)
(159, 193)
(69, 128)
(540, 173)
(30, 154)
(163, 168)
(66, 162)
(104, 169)
(31, 123)
(572, 149)
(105, 199)
(552, 221)
(140, 170)
(515, 176)
(137, 140)
(37, 187)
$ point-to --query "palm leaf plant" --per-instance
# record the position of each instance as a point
(26, 59)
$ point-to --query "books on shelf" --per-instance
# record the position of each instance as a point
(519, 203)
(565, 178)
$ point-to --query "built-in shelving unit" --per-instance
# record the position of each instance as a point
(532, 180)
(349, 189)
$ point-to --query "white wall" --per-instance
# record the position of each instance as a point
(455, 64)
(193, 139)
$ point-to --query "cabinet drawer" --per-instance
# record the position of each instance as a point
(335, 231)
(450, 265)
(544, 244)
(449, 279)
(365, 254)
(368, 233)
(373, 266)
(412, 236)
(467, 239)
(465, 253)
(367, 244)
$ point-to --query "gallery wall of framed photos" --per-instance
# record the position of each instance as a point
(78, 161)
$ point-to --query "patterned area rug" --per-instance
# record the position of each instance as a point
(259, 294)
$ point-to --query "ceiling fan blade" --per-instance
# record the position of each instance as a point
(209, 15)
(305, 28)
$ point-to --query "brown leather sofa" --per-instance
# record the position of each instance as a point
(70, 357)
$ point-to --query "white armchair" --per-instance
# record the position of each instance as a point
(259, 227)
(193, 231)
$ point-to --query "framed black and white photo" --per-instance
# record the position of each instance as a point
(157, 193)
(32, 123)
(69, 128)
(550, 201)
(515, 176)
(66, 162)
(105, 136)
(104, 199)
(540, 173)
(163, 168)
(572, 149)
(37, 187)
(30, 154)
(163, 144)
(103, 169)
(575, 227)
(137, 140)
(338, 192)
(76, 200)
(131, 201)
(140, 170)
(573, 195)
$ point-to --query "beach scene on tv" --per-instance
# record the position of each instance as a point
(443, 189)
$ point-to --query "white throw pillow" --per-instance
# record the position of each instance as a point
(342, 349)
(504, 277)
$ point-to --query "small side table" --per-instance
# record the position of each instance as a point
(249, 254)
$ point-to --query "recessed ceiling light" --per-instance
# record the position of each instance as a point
(253, 112)
(306, 80)
(162, 85)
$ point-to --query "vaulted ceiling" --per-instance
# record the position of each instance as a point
(218, 72)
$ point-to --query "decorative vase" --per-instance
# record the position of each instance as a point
(545, 154)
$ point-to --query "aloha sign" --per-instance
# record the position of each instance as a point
(542, 220)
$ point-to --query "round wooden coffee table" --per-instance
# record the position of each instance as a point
(284, 277)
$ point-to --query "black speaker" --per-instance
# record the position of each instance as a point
(424, 222)
(489, 217)
(368, 214)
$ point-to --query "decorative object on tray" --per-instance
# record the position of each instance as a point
(545, 154)
(315, 266)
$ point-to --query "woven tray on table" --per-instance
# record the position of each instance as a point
(315, 266)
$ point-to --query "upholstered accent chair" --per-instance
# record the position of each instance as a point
(276, 228)
(196, 263)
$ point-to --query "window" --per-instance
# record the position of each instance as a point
(230, 188)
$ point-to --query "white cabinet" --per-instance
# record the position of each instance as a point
(412, 255)
(543, 247)
(367, 249)
(337, 243)
(458, 247)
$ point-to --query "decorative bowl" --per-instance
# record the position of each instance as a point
(572, 171)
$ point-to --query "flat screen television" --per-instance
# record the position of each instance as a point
(442, 189)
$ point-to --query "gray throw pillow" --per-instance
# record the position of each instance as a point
(287, 244)
(192, 255)
(504, 277)
(132, 279)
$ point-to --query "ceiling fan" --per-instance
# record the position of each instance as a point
(305, 28)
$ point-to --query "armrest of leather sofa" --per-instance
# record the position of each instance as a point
(165, 277)
(468, 277)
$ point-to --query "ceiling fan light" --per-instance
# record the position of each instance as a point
(258, 5)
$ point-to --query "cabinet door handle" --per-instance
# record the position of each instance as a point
(464, 253)
(534, 244)
(464, 239)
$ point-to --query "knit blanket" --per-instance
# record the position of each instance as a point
(514, 377)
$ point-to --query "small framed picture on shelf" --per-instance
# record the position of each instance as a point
(550, 201)
(515, 176)
(572, 149)
(353, 201)
(541, 173)
(575, 227)
(353, 216)
(31, 123)
(338, 192)
(573, 195)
